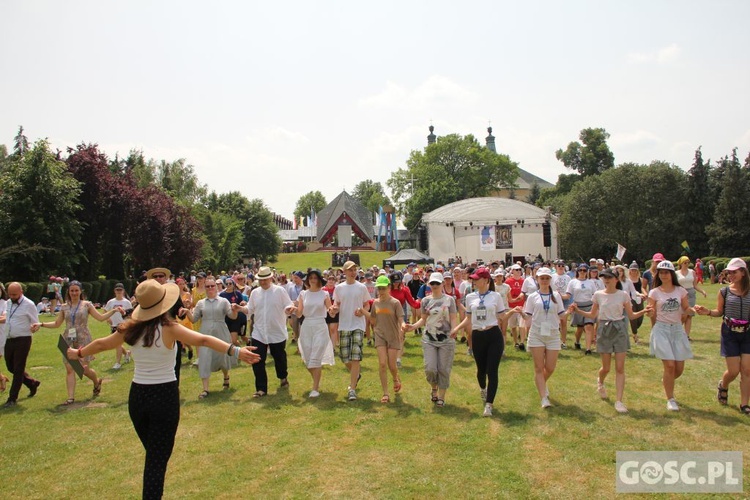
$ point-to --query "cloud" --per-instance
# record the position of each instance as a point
(639, 139)
(660, 56)
(435, 92)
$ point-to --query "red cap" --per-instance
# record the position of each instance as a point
(658, 257)
(481, 272)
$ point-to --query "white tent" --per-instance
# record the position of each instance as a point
(488, 229)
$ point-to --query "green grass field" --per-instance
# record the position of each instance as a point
(285, 445)
(288, 262)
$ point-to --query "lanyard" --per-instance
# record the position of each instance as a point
(73, 314)
(545, 303)
(12, 312)
(482, 296)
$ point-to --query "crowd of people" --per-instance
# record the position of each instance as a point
(247, 315)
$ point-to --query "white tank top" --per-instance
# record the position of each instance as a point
(155, 364)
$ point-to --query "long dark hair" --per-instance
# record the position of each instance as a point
(147, 330)
(3, 292)
(657, 279)
(744, 282)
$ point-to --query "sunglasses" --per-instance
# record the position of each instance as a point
(159, 276)
(210, 286)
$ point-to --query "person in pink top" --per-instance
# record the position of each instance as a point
(669, 342)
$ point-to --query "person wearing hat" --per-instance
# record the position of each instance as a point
(438, 316)
(637, 299)
(154, 401)
(161, 275)
(581, 290)
(54, 290)
(733, 307)
(75, 313)
(560, 282)
(650, 273)
(314, 341)
(516, 298)
(689, 281)
(402, 293)
(351, 301)
(387, 317)
(485, 312)
(612, 309)
(669, 342)
(544, 309)
(116, 319)
(270, 304)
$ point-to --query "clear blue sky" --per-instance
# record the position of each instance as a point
(275, 99)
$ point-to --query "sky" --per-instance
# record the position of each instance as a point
(276, 99)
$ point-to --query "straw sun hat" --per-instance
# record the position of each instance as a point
(154, 299)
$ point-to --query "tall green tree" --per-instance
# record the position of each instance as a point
(136, 166)
(371, 194)
(591, 155)
(314, 200)
(222, 236)
(641, 207)
(38, 215)
(179, 180)
(451, 169)
(534, 193)
(729, 233)
(20, 143)
(702, 202)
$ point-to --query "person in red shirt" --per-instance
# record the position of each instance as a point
(516, 324)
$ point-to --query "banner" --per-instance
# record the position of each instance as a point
(504, 237)
(620, 252)
(487, 238)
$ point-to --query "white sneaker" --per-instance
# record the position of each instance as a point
(601, 390)
(352, 395)
(116, 366)
(314, 394)
(672, 405)
(483, 394)
(487, 410)
(545, 402)
(620, 407)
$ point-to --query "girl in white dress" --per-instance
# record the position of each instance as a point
(314, 340)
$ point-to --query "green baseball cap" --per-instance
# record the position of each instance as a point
(382, 281)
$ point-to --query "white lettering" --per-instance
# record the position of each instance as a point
(671, 475)
(628, 477)
(684, 475)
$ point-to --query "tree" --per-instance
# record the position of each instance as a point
(451, 169)
(260, 234)
(135, 165)
(649, 216)
(555, 197)
(312, 201)
(3, 155)
(20, 143)
(222, 237)
(590, 158)
(371, 195)
(730, 231)
(180, 181)
(534, 193)
(38, 215)
(702, 202)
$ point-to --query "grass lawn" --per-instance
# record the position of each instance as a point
(322, 260)
(285, 445)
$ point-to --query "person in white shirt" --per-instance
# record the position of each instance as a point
(560, 282)
(350, 301)
(116, 319)
(20, 320)
(270, 304)
(293, 288)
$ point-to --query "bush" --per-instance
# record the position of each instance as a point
(33, 291)
(96, 288)
(88, 290)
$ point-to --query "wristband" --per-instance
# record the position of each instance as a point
(237, 351)
(80, 354)
(229, 351)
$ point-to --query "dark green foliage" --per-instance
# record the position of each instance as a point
(33, 290)
(371, 195)
(314, 200)
(729, 233)
(591, 156)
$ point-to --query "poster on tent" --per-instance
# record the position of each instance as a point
(504, 237)
(487, 238)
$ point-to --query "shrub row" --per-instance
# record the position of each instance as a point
(99, 291)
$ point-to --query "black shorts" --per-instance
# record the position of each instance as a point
(734, 344)
(331, 319)
(51, 295)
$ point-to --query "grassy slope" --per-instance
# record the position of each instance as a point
(286, 446)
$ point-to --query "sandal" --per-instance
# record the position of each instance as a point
(226, 383)
(385, 399)
(745, 409)
(440, 403)
(259, 394)
(69, 402)
(397, 386)
(722, 394)
(203, 395)
(98, 387)
(433, 396)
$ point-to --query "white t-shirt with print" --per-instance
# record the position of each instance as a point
(545, 314)
(484, 309)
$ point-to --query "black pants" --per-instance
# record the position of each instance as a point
(278, 351)
(178, 362)
(155, 413)
(16, 352)
(488, 347)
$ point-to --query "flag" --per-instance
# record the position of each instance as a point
(301, 220)
(294, 224)
(313, 217)
(685, 246)
(620, 252)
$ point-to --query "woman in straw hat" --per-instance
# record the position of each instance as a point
(154, 401)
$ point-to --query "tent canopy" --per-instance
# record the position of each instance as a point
(407, 255)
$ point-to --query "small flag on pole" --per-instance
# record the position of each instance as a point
(620, 252)
(685, 246)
